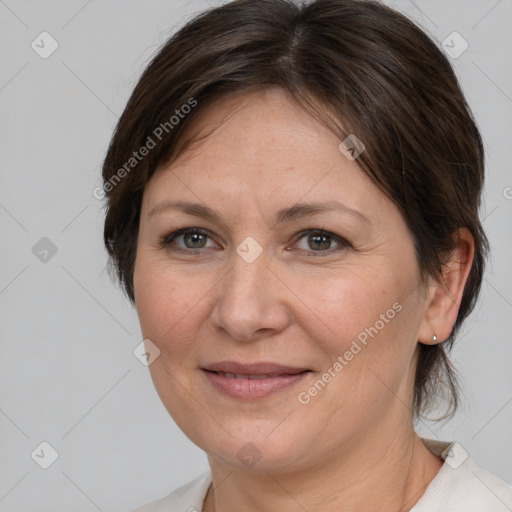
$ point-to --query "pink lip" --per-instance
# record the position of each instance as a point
(245, 387)
(253, 368)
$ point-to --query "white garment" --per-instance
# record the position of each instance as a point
(460, 486)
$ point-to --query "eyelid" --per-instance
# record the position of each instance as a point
(342, 242)
(167, 239)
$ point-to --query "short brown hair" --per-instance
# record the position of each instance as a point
(360, 68)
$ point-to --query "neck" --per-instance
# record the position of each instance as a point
(393, 475)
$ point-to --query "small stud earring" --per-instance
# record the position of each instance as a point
(434, 338)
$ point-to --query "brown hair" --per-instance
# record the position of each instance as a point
(360, 68)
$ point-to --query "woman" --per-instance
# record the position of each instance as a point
(292, 207)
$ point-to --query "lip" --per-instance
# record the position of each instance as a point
(254, 368)
(254, 380)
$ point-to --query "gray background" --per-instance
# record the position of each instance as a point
(68, 373)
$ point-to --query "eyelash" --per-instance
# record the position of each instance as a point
(166, 240)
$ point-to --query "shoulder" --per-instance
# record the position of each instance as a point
(462, 484)
(188, 498)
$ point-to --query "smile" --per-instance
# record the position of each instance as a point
(252, 386)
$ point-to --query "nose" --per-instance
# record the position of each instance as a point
(250, 302)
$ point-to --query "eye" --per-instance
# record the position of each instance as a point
(320, 242)
(192, 238)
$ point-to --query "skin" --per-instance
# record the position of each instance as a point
(353, 446)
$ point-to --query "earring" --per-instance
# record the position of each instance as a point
(434, 338)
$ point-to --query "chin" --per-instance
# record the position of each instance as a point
(257, 451)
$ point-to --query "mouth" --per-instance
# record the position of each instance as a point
(254, 377)
(252, 381)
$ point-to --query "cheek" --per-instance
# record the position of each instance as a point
(365, 323)
(341, 305)
(172, 306)
(164, 298)
(167, 307)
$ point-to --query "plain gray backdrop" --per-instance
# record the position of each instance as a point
(69, 377)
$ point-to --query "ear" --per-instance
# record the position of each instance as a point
(443, 298)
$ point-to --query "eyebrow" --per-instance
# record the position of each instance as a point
(297, 211)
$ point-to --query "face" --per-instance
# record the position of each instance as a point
(316, 309)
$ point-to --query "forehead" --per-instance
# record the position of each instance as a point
(264, 135)
(267, 121)
(264, 149)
